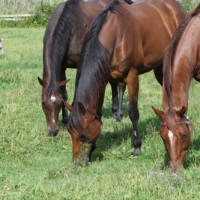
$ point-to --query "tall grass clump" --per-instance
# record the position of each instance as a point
(40, 17)
(22, 6)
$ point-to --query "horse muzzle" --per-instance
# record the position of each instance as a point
(52, 132)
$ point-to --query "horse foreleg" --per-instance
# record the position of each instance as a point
(158, 72)
(82, 151)
(117, 101)
(64, 111)
(65, 97)
(133, 89)
(76, 146)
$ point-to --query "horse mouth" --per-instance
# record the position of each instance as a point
(176, 166)
(53, 133)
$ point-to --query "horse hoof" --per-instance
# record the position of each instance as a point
(64, 122)
(137, 152)
(117, 117)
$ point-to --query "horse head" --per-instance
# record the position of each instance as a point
(175, 134)
(51, 105)
(84, 127)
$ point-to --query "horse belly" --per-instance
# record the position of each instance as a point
(117, 75)
(120, 71)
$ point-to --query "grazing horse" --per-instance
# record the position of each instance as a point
(181, 64)
(63, 39)
(123, 42)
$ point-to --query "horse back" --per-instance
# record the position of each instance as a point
(140, 32)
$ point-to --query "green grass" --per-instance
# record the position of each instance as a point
(34, 166)
(189, 4)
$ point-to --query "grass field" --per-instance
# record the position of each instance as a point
(34, 166)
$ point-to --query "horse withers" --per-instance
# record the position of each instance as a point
(123, 42)
(62, 41)
(181, 65)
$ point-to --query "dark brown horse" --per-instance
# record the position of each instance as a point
(181, 64)
(63, 39)
(124, 41)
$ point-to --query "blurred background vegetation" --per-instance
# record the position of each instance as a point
(42, 9)
(24, 6)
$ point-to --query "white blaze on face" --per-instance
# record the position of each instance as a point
(53, 98)
(53, 121)
(170, 134)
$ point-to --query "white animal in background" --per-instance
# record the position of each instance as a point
(1, 45)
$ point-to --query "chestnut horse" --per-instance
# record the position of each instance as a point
(123, 42)
(62, 41)
(181, 64)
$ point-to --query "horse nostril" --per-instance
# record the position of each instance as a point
(53, 133)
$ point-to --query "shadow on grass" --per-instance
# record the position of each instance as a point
(122, 133)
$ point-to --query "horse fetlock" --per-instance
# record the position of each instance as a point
(137, 152)
(65, 121)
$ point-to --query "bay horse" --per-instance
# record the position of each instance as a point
(62, 41)
(181, 64)
(123, 42)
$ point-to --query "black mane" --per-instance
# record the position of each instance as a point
(93, 68)
(61, 39)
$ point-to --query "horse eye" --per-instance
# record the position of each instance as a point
(43, 104)
(162, 137)
(183, 136)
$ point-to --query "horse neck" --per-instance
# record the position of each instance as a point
(185, 63)
(179, 89)
(46, 64)
(50, 81)
(183, 69)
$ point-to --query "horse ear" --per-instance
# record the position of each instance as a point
(182, 111)
(41, 81)
(81, 108)
(159, 113)
(69, 107)
(62, 83)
